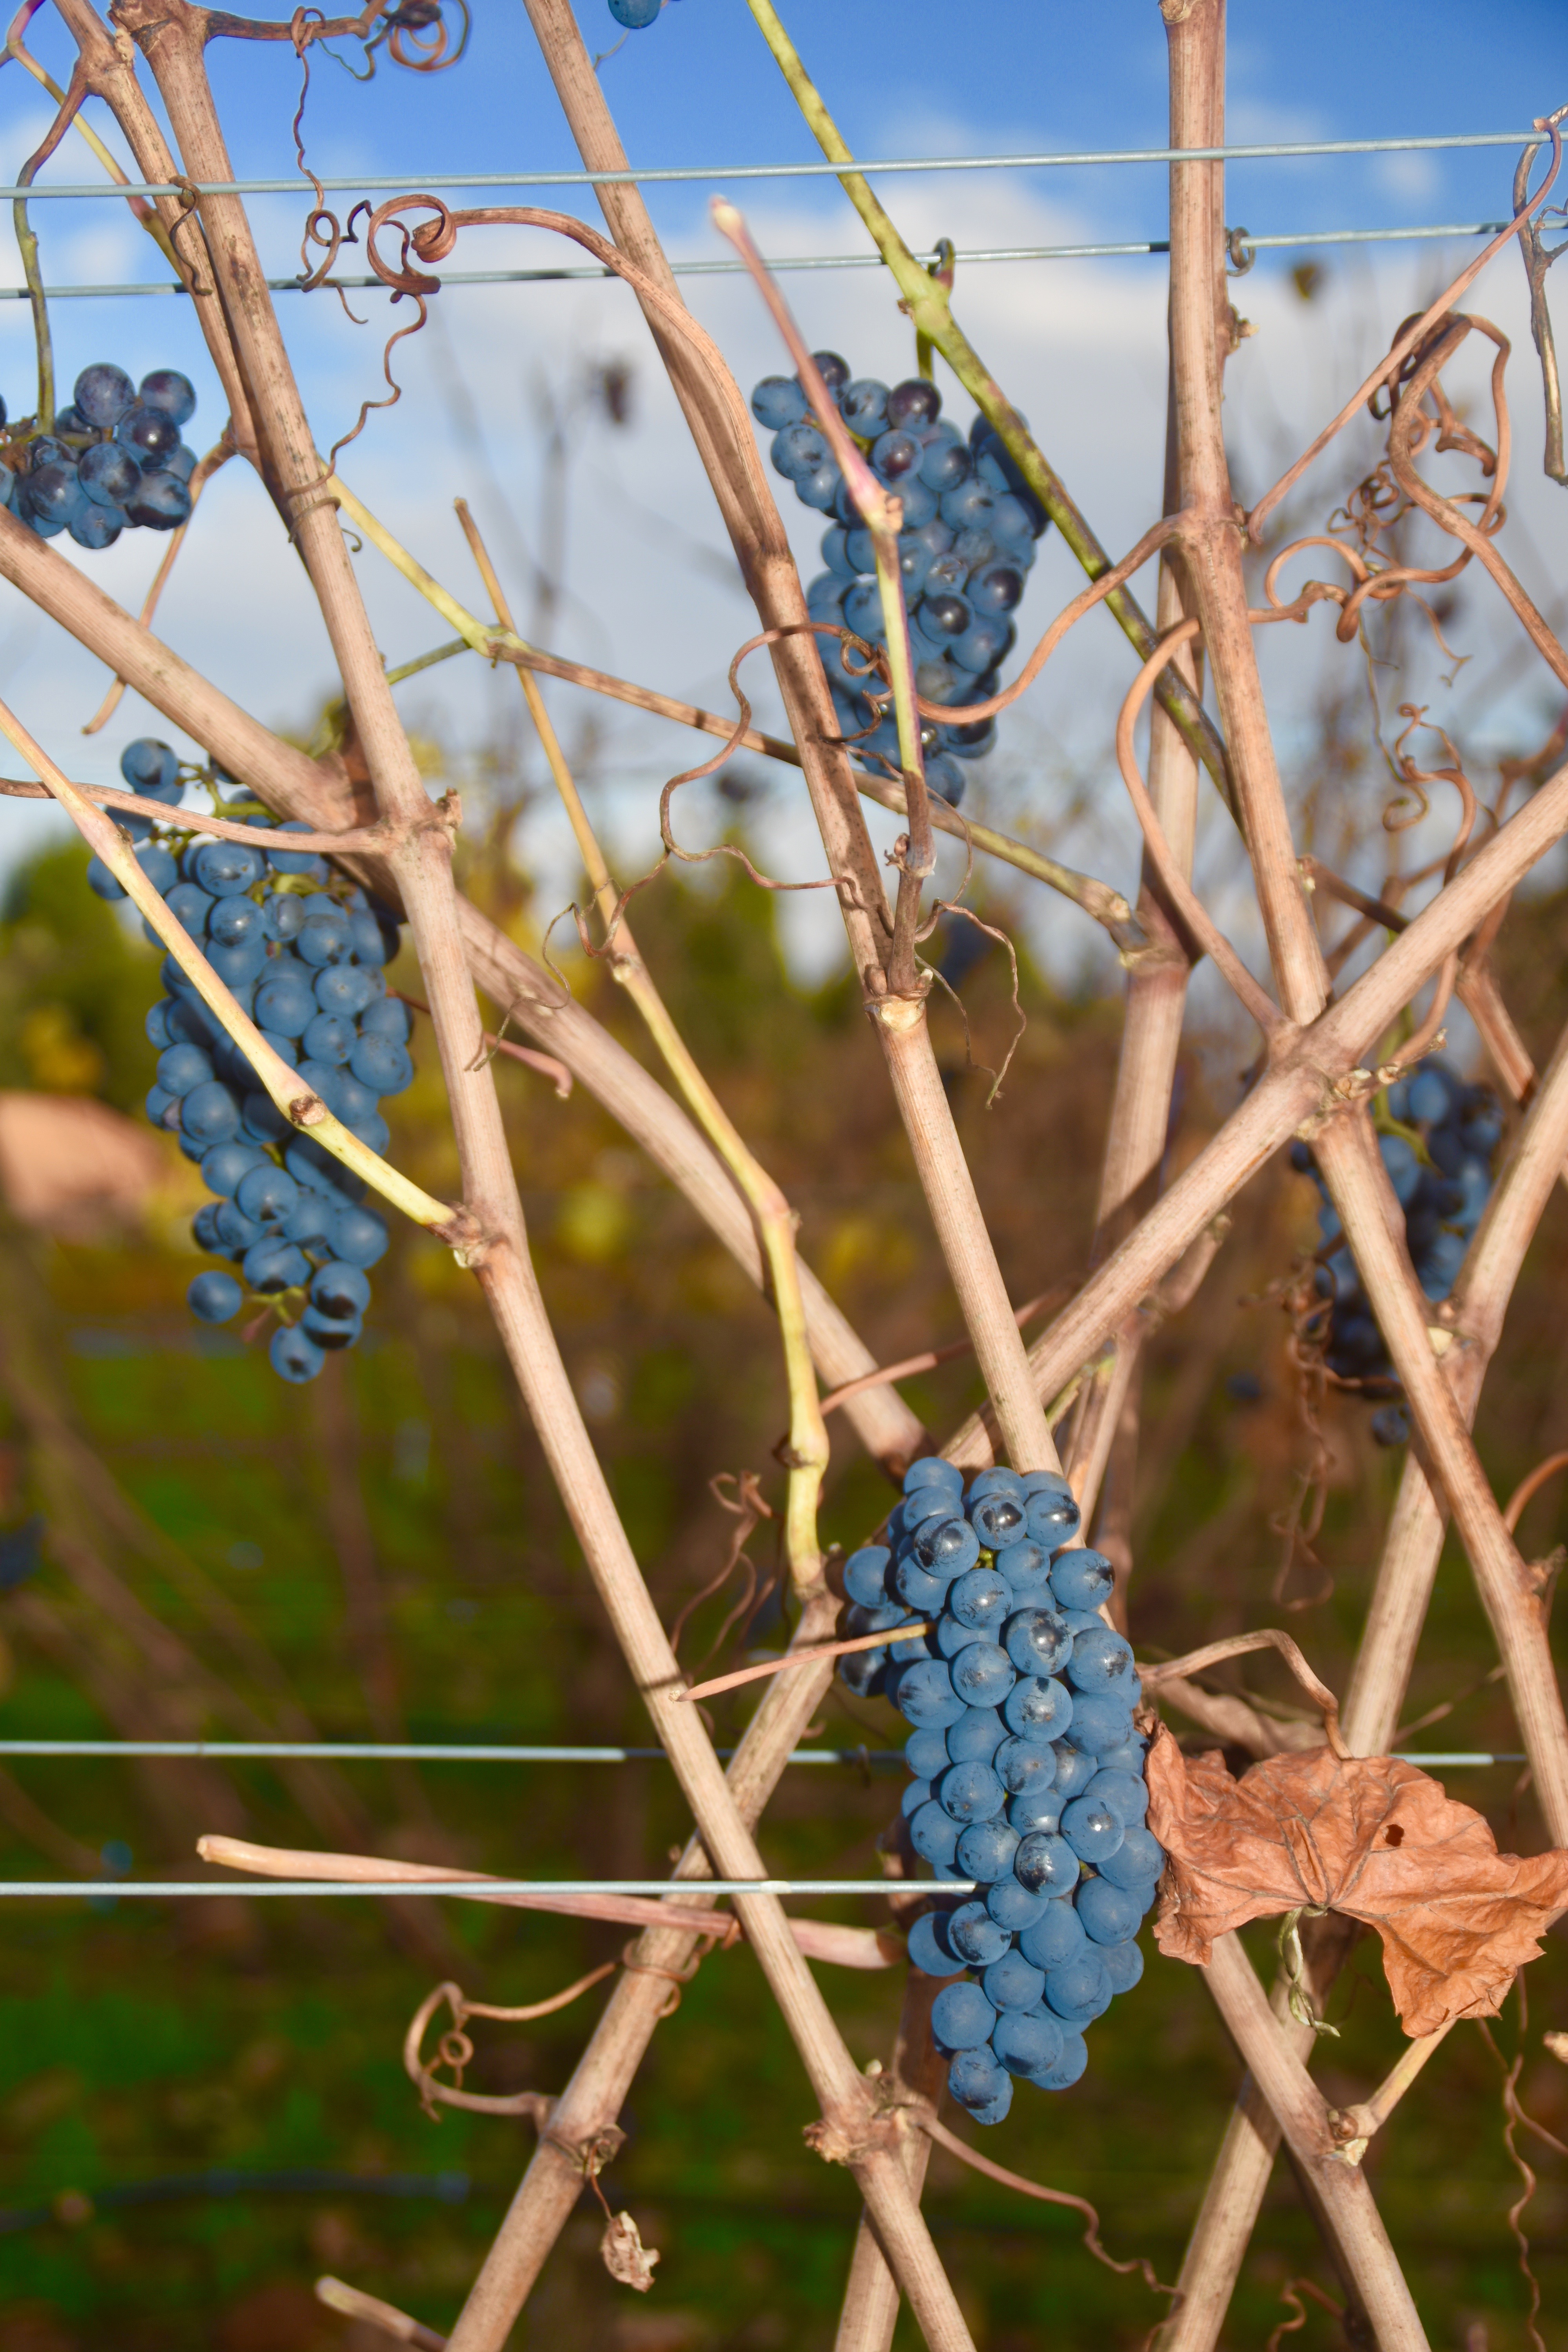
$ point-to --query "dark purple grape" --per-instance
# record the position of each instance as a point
(53, 493)
(896, 455)
(162, 503)
(149, 432)
(834, 370)
(995, 588)
(914, 403)
(174, 394)
(99, 526)
(103, 394)
(108, 474)
(944, 614)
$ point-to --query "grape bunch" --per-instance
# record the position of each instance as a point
(114, 461)
(967, 543)
(1438, 1150)
(303, 954)
(1029, 1772)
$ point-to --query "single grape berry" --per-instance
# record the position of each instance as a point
(103, 394)
(170, 391)
(214, 1297)
(294, 1355)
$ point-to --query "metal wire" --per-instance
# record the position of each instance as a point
(817, 170)
(481, 1889)
(373, 1751)
(719, 268)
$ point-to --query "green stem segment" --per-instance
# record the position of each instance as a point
(807, 1453)
(928, 302)
(302, 1108)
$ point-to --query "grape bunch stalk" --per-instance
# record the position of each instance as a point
(1439, 1141)
(303, 954)
(969, 523)
(114, 461)
(1029, 1771)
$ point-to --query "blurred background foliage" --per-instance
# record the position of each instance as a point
(189, 1547)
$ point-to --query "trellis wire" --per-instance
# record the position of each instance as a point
(477, 1889)
(670, 173)
(373, 1751)
(722, 269)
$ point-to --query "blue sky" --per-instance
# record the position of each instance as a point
(1079, 343)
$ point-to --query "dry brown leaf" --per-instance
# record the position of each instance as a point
(1363, 1835)
(624, 2256)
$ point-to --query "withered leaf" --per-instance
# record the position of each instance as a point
(624, 2255)
(1363, 1835)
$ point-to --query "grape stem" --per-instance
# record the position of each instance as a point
(806, 1452)
(303, 1108)
(794, 1658)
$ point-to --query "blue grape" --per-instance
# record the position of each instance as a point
(981, 2086)
(928, 1947)
(985, 1850)
(294, 1355)
(865, 1574)
(227, 1165)
(1012, 1905)
(1037, 1641)
(237, 1231)
(237, 922)
(271, 1267)
(1098, 1722)
(933, 1833)
(970, 1792)
(159, 1104)
(108, 474)
(974, 1935)
(797, 450)
(330, 1332)
(925, 1751)
(1126, 1793)
(209, 1114)
(896, 457)
(983, 1674)
(214, 1297)
(1123, 1965)
(1027, 2042)
(226, 868)
(161, 502)
(980, 1598)
(1080, 1989)
(779, 400)
(1045, 1863)
(1111, 1914)
(267, 1192)
(1138, 1861)
(1024, 1765)
(1101, 1661)
(1056, 1938)
(103, 394)
(286, 1001)
(96, 527)
(358, 1236)
(1092, 1829)
(168, 390)
(1068, 2067)
(1035, 1809)
(1038, 1707)
(947, 1547)
(1082, 1579)
(236, 967)
(323, 940)
(1014, 1982)
(925, 1693)
(149, 432)
(916, 1587)
(384, 1018)
(819, 489)
(183, 1066)
(976, 1737)
(916, 1793)
(864, 406)
(53, 493)
(329, 1038)
(1053, 1518)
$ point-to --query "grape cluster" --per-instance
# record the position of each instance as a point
(1438, 1150)
(114, 461)
(1029, 1772)
(967, 543)
(304, 960)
